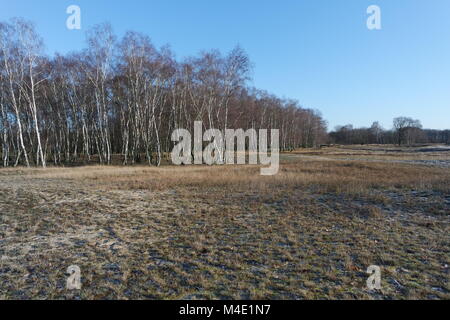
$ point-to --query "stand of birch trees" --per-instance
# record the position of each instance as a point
(123, 98)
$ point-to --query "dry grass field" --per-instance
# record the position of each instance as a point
(225, 232)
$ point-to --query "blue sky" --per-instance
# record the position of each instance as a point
(319, 52)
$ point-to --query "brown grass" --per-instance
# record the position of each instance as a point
(321, 176)
(224, 232)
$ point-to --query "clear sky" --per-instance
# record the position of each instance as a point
(319, 52)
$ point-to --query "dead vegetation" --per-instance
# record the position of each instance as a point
(226, 232)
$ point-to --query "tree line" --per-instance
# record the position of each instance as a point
(405, 131)
(124, 98)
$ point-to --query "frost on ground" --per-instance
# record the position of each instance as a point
(226, 232)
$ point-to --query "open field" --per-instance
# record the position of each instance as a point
(436, 155)
(225, 232)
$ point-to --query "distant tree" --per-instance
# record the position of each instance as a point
(376, 132)
(407, 130)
